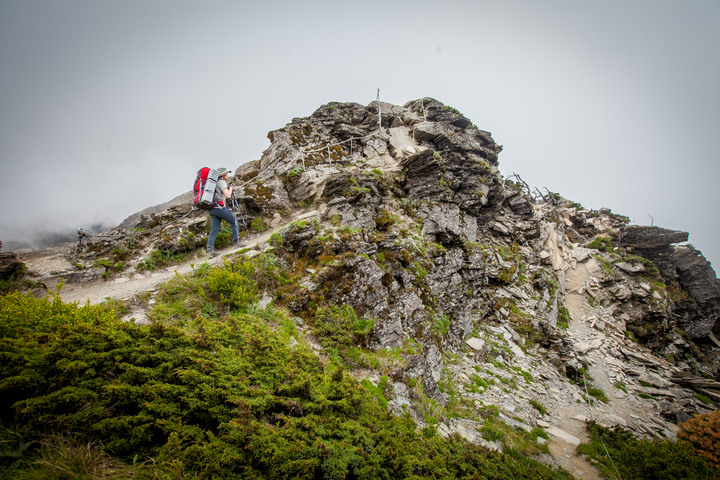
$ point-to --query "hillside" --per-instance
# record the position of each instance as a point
(479, 307)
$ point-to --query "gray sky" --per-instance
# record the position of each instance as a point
(107, 107)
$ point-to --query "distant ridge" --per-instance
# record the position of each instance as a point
(132, 220)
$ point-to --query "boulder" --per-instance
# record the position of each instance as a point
(11, 268)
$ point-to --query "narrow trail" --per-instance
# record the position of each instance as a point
(568, 429)
(571, 419)
(132, 284)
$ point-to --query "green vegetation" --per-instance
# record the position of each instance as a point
(514, 439)
(538, 406)
(604, 244)
(257, 224)
(163, 258)
(607, 265)
(212, 388)
(563, 318)
(441, 324)
(642, 459)
(377, 391)
(343, 334)
(650, 267)
(599, 394)
(586, 384)
(478, 384)
(384, 220)
(294, 173)
(109, 266)
(621, 386)
(703, 398)
(14, 281)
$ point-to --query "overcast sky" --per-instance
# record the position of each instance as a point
(107, 107)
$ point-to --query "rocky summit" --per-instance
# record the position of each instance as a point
(478, 293)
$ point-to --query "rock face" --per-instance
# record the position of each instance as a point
(10, 266)
(488, 295)
(698, 311)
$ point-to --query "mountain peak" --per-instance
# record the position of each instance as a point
(400, 213)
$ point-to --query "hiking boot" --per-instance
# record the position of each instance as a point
(212, 254)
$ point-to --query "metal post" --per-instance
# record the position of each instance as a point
(379, 112)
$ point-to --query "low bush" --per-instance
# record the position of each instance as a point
(703, 432)
(640, 459)
(604, 244)
(221, 394)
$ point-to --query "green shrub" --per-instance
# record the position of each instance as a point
(538, 406)
(650, 267)
(599, 394)
(563, 318)
(14, 280)
(641, 459)
(160, 259)
(233, 284)
(377, 391)
(604, 244)
(109, 266)
(258, 224)
(441, 324)
(607, 265)
(340, 329)
(193, 397)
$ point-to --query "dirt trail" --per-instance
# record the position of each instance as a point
(571, 419)
(565, 453)
(128, 286)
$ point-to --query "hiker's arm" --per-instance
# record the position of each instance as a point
(228, 191)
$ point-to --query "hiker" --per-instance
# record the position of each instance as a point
(222, 212)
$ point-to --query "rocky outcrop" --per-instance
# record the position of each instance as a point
(656, 244)
(10, 266)
(698, 313)
(482, 292)
(697, 305)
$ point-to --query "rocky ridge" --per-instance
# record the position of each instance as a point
(502, 305)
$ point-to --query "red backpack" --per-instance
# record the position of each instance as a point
(204, 189)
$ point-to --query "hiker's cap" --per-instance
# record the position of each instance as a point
(223, 171)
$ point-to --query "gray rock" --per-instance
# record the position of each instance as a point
(10, 266)
(648, 238)
(563, 435)
(475, 343)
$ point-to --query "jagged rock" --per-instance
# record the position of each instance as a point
(698, 278)
(448, 225)
(630, 268)
(701, 384)
(10, 266)
(654, 243)
(650, 238)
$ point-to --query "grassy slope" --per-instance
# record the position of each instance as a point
(214, 388)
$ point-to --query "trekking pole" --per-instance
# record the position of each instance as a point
(236, 207)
